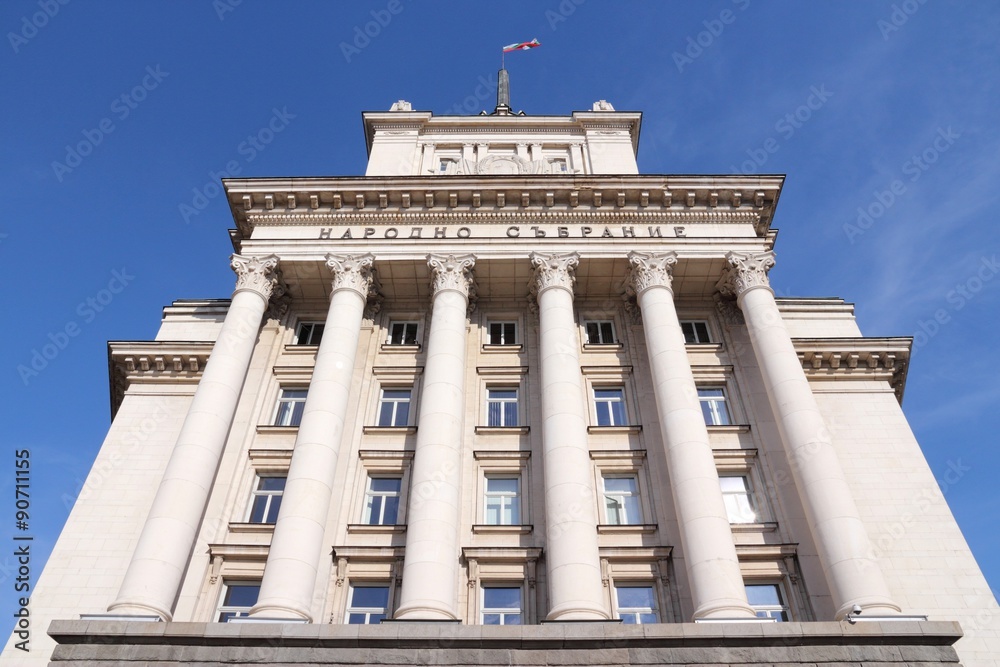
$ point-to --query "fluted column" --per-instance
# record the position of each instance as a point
(571, 549)
(853, 576)
(709, 553)
(154, 575)
(430, 569)
(289, 584)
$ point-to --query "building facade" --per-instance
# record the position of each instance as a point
(501, 380)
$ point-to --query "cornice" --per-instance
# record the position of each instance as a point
(885, 359)
(154, 362)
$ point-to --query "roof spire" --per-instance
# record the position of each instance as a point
(503, 94)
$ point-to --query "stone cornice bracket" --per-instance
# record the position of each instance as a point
(352, 272)
(729, 311)
(277, 307)
(746, 271)
(552, 270)
(453, 272)
(257, 274)
(650, 269)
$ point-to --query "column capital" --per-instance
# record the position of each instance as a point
(452, 272)
(651, 269)
(255, 273)
(552, 270)
(353, 272)
(746, 271)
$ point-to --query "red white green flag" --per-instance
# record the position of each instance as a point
(521, 46)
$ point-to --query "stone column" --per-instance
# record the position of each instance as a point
(571, 550)
(289, 584)
(709, 553)
(430, 570)
(154, 575)
(844, 550)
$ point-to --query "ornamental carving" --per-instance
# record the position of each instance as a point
(650, 269)
(257, 274)
(554, 271)
(352, 272)
(499, 165)
(729, 311)
(452, 272)
(746, 271)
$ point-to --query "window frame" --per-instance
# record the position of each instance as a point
(713, 403)
(515, 338)
(503, 464)
(369, 494)
(410, 403)
(599, 324)
(783, 608)
(605, 496)
(221, 608)
(311, 325)
(746, 463)
(350, 610)
(257, 492)
(636, 611)
(503, 402)
(502, 496)
(693, 323)
(501, 611)
(624, 463)
(748, 493)
(405, 323)
(293, 401)
(621, 401)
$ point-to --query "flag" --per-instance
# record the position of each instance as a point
(521, 46)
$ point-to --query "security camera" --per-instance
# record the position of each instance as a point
(856, 609)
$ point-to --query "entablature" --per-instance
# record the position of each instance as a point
(154, 362)
(885, 359)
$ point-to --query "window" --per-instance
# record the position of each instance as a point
(368, 604)
(738, 496)
(291, 403)
(502, 333)
(600, 332)
(382, 500)
(402, 333)
(502, 506)
(713, 406)
(309, 333)
(394, 407)
(501, 605)
(621, 500)
(636, 604)
(766, 600)
(501, 406)
(695, 332)
(558, 166)
(266, 499)
(609, 403)
(446, 165)
(237, 600)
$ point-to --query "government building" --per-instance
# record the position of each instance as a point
(504, 400)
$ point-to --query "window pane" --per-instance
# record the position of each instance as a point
(241, 595)
(493, 414)
(502, 598)
(385, 414)
(635, 597)
(689, 335)
(501, 485)
(607, 332)
(763, 595)
(512, 619)
(509, 394)
(733, 484)
(374, 510)
(370, 596)
(615, 394)
(491, 619)
(702, 332)
(510, 414)
(396, 394)
(648, 618)
(593, 333)
(271, 484)
(603, 413)
(615, 511)
(390, 484)
(391, 510)
(356, 619)
(618, 413)
(402, 414)
(620, 484)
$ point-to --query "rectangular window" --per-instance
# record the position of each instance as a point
(738, 496)
(636, 604)
(367, 605)
(291, 403)
(501, 406)
(609, 404)
(394, 407)
(766, 601)
(238, 600)
(402, 333)
(502, 333)
(266, 499)
(695, 332)
(501, 605)
(713, 406)
(309, 333)
(600, 332)
(382, 500)
(502, 506)
(621, 500)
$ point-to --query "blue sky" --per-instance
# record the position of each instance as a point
(882, 114)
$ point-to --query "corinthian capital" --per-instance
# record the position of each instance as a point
(452, 272)
(257, 274)
(746, 271)
(554, 271)
(352, 272)
(651, 269)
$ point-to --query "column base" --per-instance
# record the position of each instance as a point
(576, 614)
(424, 613)
(139, 609)
(278, 614)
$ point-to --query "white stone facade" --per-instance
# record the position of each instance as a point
(560, 380)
